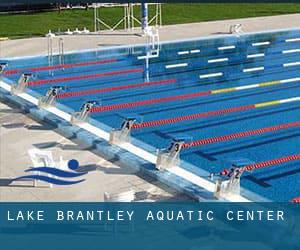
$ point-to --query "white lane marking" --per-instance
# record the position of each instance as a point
(261, 43)
(226, 47)
(247, 87)
(195, 51)
(291, 64)
(183, 52)
(253, 69)
(292, 40)
(290, 51)
(218, 60)
(147, 56)
(256, 55)
(211, 75)
(178, 65)
(290, 99)
(290, 80)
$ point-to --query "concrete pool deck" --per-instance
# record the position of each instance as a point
(108, 177)
(19, 133)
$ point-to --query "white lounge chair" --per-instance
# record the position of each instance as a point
(43, 158)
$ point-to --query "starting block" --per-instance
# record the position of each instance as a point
(122, 135)
(84, 113)
(231, 185)
(22, 84)
(170, 157)
(3, 65)
(50, 97)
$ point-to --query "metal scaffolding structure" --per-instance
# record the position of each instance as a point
(129, 20)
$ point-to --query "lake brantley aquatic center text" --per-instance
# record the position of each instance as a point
(150, 215)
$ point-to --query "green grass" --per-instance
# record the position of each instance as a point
(25, 25)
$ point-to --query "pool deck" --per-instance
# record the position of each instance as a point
(106, 176)
(18, 133)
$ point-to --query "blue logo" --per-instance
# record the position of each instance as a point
(62, 174)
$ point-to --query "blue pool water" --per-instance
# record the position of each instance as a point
(237, 61)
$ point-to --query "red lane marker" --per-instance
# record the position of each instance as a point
(110, 89)
(71, 78)
(240, 134)
(265, 164)
(296, 200)
(272, 162)
(65, 66)
(191, 117)
(148, 102)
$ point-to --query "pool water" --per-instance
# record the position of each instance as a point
(193, 77)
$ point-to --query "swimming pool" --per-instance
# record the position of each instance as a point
(233, 98)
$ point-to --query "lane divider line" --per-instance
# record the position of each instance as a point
(160, 122)
(253, 69)
(218, 60)
(256, 55)
(147, 56)
(183, 52)
(116, 88)
(292, 40)
(296, 200)
(238, 135)
(210, 75)
(186, 52)
(194, 51)
(226, 47)
(290, 51)
(291, 64)
(65, 66)
(187, 96)
(178, 65)
(272, 162)
(80, 77)
(261, 43)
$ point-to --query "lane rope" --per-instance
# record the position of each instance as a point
(188, 96)
(296, 200)
(268, 163)
(240, 135)
(111, 89)
(65, 66)
(160, 122)
(80, 77)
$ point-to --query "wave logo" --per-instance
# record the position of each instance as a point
(54, 175)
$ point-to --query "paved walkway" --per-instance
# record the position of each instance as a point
(35, 46)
